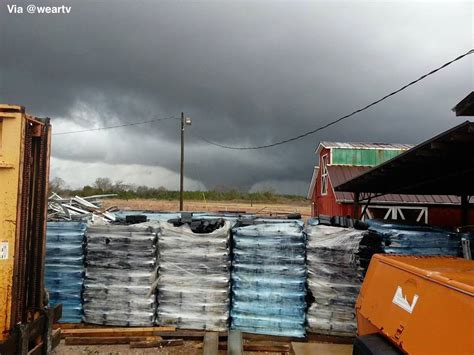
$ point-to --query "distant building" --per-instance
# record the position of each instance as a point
(340, 162)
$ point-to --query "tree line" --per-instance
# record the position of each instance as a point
(104, 185)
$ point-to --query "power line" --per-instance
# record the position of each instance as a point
(343, 117)
(117, 126)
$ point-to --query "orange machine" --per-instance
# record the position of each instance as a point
(416, 305)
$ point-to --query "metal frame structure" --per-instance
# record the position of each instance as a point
(442, 165)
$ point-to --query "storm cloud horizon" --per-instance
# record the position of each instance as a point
(248, 73)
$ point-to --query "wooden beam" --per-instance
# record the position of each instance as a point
(37, 350)
(56, 338)
(108, 340)
(211, 343)
(267, 348)
(156, 344)
(266, 337)
(119, 331)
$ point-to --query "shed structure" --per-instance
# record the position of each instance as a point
(443, 165)
(342, 162)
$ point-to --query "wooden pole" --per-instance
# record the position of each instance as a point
(356, 205)
(181, 177)
(464, 210)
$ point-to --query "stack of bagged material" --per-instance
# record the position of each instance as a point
(64, 267)
(334, 278)
(194, 274)
(269, 279)
(406, 239)
(120, 275)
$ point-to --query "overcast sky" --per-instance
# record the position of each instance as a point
(247, 72)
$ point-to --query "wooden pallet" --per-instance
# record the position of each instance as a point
(211, 342)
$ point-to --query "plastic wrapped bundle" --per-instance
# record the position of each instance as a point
(194, 273)
(405, 239)
(120, 275)
(269, 279)
(334, 278)
(64, 267)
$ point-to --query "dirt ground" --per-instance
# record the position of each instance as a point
(189, 348)
(195, 348)
(268, 209)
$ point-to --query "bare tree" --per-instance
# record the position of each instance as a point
(104, 184)
(57, 184)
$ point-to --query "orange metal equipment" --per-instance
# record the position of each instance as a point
(420, 304)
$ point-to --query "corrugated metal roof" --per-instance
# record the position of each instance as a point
(363, 145)
(340, 174)
(442, 165)
(466, 106)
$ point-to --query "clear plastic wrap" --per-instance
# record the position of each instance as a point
(334, 278)
(64, 267)
(269, 279)
(194, 276)
(406, 239)
(121, 273)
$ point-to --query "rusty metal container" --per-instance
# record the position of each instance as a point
(24, 172)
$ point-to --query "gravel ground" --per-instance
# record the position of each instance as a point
(189, 348)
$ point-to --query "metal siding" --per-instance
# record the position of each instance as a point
(362, 157)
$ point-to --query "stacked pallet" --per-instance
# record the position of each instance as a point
(406, 239)
(64, 270)
(334, 278)
(120, 275)
(194, 274)
(269, 279)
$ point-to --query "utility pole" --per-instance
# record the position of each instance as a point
(185, 121)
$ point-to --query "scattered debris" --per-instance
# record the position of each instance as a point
(80, 208)
(156, 343)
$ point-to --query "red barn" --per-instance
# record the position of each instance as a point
(340, 162)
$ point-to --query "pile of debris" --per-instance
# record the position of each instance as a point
(80, 208)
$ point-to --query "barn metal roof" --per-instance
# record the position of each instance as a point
(466, 106)
(443, 165)
(363, 145)
(339, 174)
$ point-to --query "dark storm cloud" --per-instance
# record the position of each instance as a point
(248, 73)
